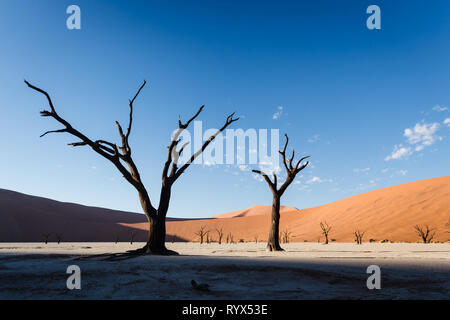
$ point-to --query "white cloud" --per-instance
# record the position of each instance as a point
(244, 167)
(422, 135)
(402, 172)
(385, 170)
(278, 114)
(269, 167)
(314, 180)
(439, 108)
(314, 138)
(398, 153)
(363, 170)
(447, 122)
(318, 180)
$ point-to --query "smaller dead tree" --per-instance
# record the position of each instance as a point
(286, 235)
(132, 235)
(46, 236)
(325, 230)
(202, 233)
(447, 224)
(256, 238)
(230, 238)
(59, 237)
(425, 233)
(219, 234)
(116, 239)
(358, 236)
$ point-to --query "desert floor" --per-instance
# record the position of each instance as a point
(233, 271)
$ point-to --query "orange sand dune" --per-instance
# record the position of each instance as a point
(253, 211)
(389, 213)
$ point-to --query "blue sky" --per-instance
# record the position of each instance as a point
(369, 106)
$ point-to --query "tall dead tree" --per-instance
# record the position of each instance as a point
(230, 238)
(202, 233)
(325, 230)
(359, 236)
(121, 157)
(273, 243)
(46, 236)
(219, 231)
(425, 233)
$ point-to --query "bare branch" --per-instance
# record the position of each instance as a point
(228, 122)
(131, 110)
(53, 131)
(185, 125)
(50, 103)
(106, 149)
(271, 184)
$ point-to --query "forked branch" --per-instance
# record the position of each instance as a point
(174, 154)
(291, 171)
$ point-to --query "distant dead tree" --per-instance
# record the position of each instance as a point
(256, 238)
(120, 157)
(59, 237)
(46, 236)
(230, 238)
(116, 237)
(325, 230)
(219, 231)
(426, 233)
(286, 235)
(202, 233)
(447, 224)
(273, 243)
(359, 236)
(132, 235)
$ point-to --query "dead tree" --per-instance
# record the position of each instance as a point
(116, 239)
(426, 233)
(46, 236)
(273, 243)
(59, 237)
(256, 238)
(325, 230)
(121, 157)
(219, 234)
(132, 235)
(202, 233)
(230, 238)
(286, 235)
(447, 224)
(359, 236)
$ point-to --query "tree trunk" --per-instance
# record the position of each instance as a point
(156, 241)
(273, 243)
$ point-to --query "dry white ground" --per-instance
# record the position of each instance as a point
(233, 271)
